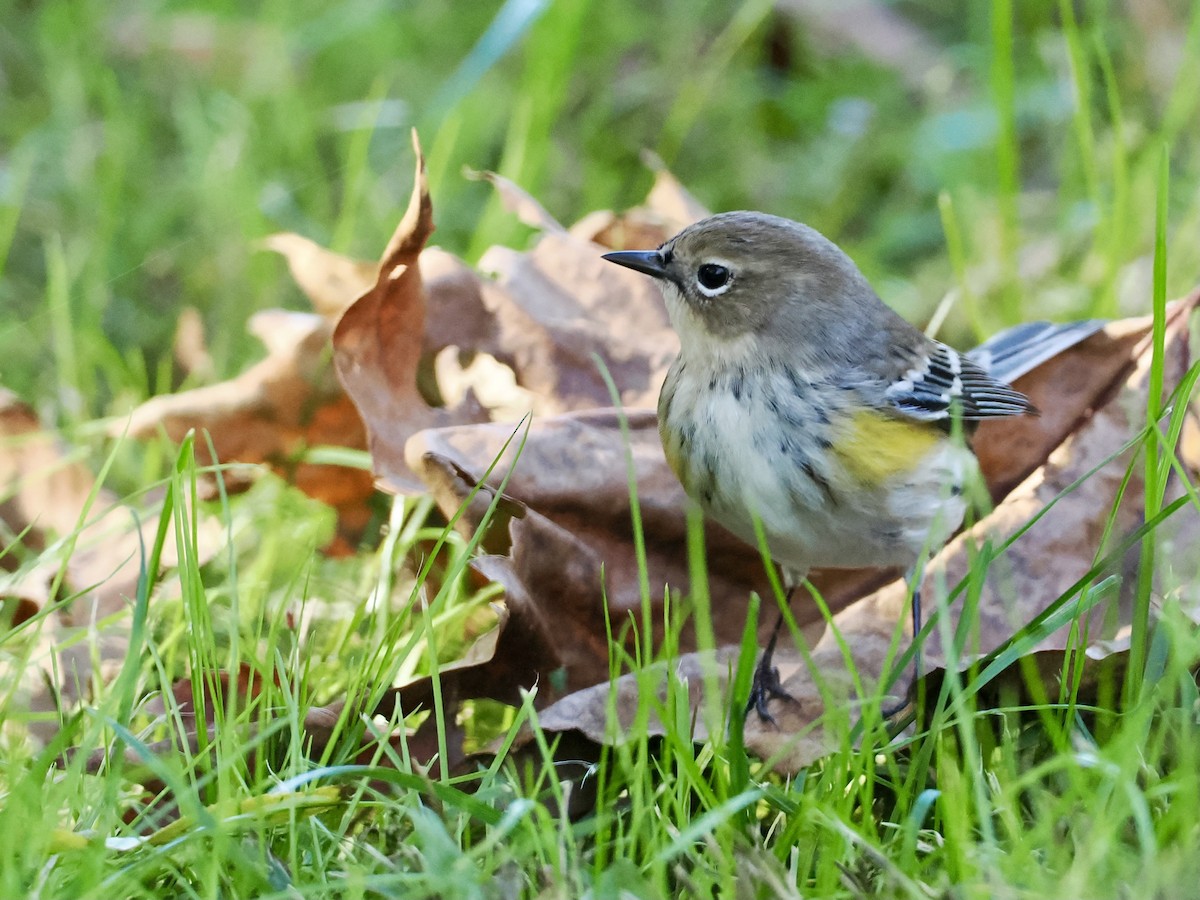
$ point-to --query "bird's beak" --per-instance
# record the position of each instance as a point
(648, 262)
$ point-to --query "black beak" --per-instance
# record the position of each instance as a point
(648, 262)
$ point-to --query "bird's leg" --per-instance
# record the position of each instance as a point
(766, 685)
(914, 580)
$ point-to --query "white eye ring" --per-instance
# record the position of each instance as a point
(713, 278)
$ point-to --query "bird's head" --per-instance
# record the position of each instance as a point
(751, 277)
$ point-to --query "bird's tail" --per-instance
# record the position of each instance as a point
(1017, 350)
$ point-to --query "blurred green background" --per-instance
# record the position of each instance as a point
(1007, 150)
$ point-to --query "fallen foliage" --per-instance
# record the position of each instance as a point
(77, 560)
(576, 556)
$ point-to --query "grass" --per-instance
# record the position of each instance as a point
(1046, 158)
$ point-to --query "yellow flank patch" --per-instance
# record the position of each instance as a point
(875, 447)
(674, 454)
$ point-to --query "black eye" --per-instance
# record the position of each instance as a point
(712, 276)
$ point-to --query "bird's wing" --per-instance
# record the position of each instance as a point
(1017, 350)
(942, 383)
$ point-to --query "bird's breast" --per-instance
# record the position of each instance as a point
(748, 437)
(832, 483)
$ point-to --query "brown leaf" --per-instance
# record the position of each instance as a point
(378, 341)
(560, 306)
(1065, 390)
(415, 303)
(330, 280)
(43, 491)
(572, 477)
(518, 201)
(53, 503)
(669, 208)
(546, 315)
(190, 347)
(587, 711)
(272, 412)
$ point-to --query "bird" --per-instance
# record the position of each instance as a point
(801, 401)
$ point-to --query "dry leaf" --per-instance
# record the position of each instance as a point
(46, 497)
(330, 280)
(190, 348)
(544, 317)
(518, 201)
(272, 412)
(1065, 389)
(552, 312)
(559, 307)
(669, 208)
(377, 346)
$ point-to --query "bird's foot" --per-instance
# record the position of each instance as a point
(766, 685)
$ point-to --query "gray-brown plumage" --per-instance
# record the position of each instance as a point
(801, 403)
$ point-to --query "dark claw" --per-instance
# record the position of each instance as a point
(766, 685)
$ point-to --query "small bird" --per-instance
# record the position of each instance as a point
(803, 401)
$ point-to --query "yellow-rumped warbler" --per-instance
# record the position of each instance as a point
(800, 399)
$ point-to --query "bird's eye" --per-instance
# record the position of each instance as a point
(712, 277)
